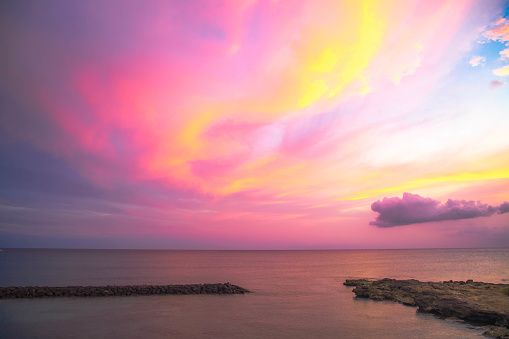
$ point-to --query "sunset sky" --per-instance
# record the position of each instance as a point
(254, 124)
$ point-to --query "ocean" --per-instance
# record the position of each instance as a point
(296, 294)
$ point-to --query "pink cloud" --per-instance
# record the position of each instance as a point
(500, 32)
(496, 83)
(215, 89)
(504, 54)
(219, 167)
(186, 116)
(230, 128)
(414, 209)
(477, 60)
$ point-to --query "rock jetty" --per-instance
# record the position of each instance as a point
(14, 292)
(478, 303)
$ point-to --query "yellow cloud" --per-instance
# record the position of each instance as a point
(504, 71)
(344, 53)
(425, 182)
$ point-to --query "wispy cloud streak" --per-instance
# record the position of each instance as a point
(270, 116)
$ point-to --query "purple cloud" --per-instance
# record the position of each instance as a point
(504, 208)
(414, 209)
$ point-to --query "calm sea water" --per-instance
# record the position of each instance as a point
(297, 294)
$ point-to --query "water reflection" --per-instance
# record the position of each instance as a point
(296, 293)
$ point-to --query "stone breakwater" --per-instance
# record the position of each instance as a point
(478, 303)
(14, 292)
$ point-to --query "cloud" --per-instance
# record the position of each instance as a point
(414, 209)
(504, 71)
(500, 32)
(496, 83)
(504, 208)
(504, 54)
(477, 60)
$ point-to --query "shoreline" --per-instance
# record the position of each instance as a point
(478, 303)
(31, 292)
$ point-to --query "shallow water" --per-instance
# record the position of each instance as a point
(296, 294)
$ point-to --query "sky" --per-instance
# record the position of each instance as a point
(351, 124)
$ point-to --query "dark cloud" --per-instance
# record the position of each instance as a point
(414, 209)
(504, 208)
(27, 171)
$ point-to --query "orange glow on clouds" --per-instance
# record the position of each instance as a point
(168, 104)
(169, 108)
(301, 110)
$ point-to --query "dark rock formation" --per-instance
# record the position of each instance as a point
(14, 292)
(478, 303)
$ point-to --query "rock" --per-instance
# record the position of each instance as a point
(475, 302)
(497, 332)
(102, 291)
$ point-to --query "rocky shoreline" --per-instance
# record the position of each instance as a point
(478, 303)
(15, 292)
